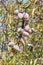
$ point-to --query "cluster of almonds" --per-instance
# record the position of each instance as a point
(22, 31)
(25, 32)
(21, 14)
(14, 46)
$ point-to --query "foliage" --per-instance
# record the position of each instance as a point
(31, 46)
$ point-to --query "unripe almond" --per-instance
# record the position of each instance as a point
(20, 30)
(22, 41)
(25, 33)
(27, 28)
(20, 15)
(26, 16)
(16, 11)
(11, 44)
(16, 47)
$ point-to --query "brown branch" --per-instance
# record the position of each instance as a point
(23, 24)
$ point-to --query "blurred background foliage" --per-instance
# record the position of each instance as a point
(8, 29)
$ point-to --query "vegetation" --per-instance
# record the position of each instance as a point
(21, 32)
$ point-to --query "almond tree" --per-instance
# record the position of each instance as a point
(21, 24)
